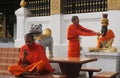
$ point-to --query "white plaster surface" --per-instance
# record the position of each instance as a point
(109, 62)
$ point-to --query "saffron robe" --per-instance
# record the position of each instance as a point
(73, 36)
(109, 35)
(36, 58)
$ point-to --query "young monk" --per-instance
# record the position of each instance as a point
(32, 59)
(74, 31)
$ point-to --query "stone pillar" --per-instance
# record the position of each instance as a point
(114, 17)
(55, 11)
(21, 14)
(113, 4)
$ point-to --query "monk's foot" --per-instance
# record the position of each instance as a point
(20, 76)
(36, 73)
(43, 72)
(27, 73)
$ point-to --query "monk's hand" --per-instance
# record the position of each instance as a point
(24, 65)
(98, 33)
(24, 61)
(25, 53)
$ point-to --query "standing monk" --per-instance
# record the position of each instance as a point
(32, 59)
(74, 30)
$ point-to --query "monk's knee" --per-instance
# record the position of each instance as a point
(41, 65)
(10, 68)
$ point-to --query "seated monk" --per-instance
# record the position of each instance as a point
(106, 39)
(32, 59)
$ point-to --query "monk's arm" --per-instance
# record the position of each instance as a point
(86, 32)
(22, 58)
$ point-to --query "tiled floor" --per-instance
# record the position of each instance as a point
(10, 76)
(19, 77)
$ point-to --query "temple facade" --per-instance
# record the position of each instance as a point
(56, 15)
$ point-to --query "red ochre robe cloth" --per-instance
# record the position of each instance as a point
(73, 37)
(109, 35)
(36, 57)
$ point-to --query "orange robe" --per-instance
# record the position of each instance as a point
(73, 37)
(36, 58)
(109, 35)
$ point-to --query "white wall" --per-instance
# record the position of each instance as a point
(59, 24)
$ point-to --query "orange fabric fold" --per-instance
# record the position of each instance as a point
(18, 70)
(38, 66)
(109, 35)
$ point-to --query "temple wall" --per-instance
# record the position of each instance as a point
(59, 24)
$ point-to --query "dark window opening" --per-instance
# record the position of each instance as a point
(8, 19)
(38, 7)
(83, 6)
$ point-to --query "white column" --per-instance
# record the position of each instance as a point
(114, 24)
(21, 14)
(55, 24)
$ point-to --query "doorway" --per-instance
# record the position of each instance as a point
(8, 19)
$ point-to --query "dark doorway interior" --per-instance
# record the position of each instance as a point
(8, 18)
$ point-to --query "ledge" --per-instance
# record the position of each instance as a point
(111, 55)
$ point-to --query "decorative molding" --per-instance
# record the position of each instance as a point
(86, 19)
(55, 7)
(113, 4)
(106, 55)
(22, 3)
